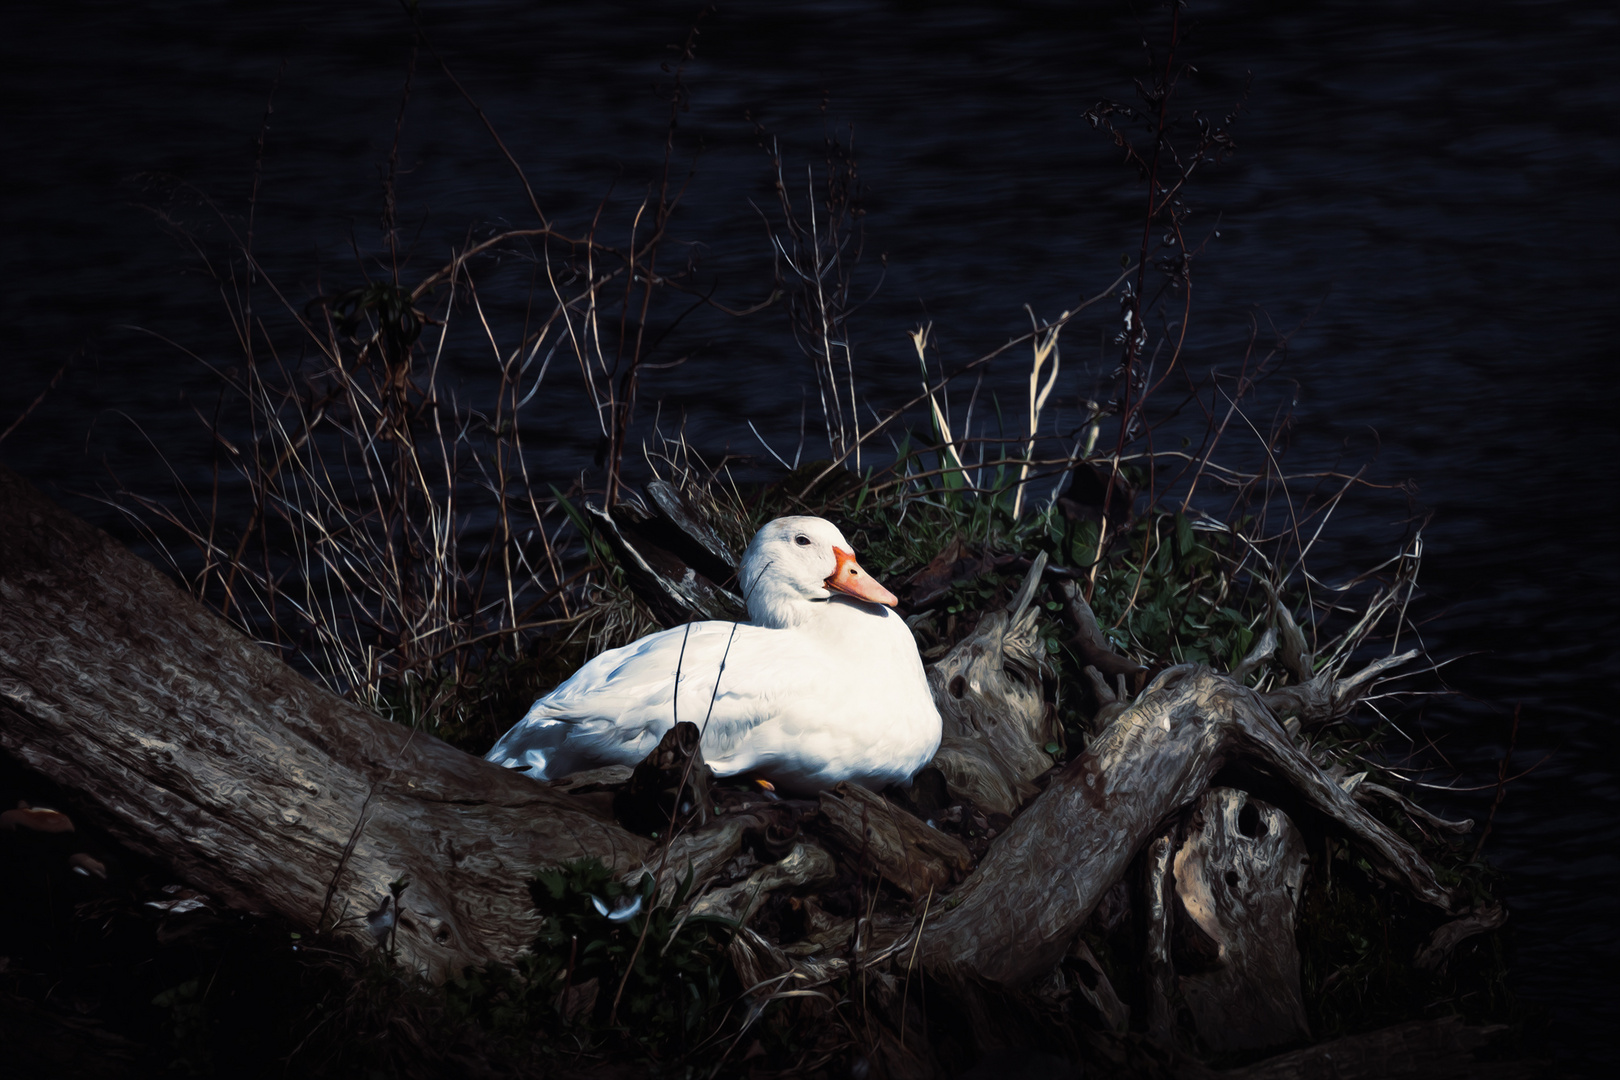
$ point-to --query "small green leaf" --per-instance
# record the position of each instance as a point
(1185, 541)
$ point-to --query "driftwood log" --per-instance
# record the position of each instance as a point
(202, 751)
(199, 749)
(805, 864)
(916, 859)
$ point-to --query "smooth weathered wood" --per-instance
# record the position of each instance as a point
(806, 864)
(1078, 837)
(679, 511)
(674, 591)
(1367, 791)
(972, 772)
(700, 852)
(1325, 697)
(997, 722)
(670, 787)
(880, 836)
(1111, 700)
(1262, 651)
(199, 749)
(1237, 881)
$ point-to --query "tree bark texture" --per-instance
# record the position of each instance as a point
(199, 749)
(1237, 877)
(908, 854)
(1079, 836)
(997, 722)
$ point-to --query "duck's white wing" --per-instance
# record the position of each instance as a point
(616, 708)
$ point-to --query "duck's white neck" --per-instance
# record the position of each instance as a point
(776, 600)
(780, 606)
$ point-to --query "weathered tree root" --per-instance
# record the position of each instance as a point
(1237, 882)
(673, 590)
(1437, 950)
(805, 864)
(1015, 917)
(908, 854)
(1232, 882)
(997, 722)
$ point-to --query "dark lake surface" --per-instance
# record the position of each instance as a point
(1433, 185)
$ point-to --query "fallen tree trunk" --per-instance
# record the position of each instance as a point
(199, 749)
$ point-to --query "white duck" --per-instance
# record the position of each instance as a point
(823, 683)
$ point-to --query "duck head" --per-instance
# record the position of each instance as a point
(794, 563)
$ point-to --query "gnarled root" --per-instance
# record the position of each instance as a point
(1015, 917)
(1238, 878)
(997, 721)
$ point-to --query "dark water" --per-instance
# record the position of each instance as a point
(1433, 184)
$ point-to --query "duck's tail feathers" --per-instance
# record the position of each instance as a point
(533, 746)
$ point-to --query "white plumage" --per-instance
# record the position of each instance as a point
(823, 683)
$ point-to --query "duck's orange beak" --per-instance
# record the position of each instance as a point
(851, 580)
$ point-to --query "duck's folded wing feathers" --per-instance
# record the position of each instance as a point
(617, 707)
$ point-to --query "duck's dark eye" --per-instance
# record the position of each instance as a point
(802, 541)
